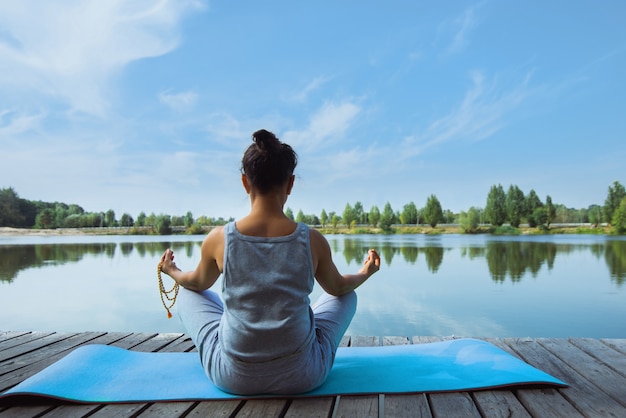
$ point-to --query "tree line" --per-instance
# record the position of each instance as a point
(512, 207)
(23, 213)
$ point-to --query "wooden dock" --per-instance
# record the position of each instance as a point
(595, 369)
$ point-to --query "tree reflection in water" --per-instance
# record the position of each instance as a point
(15, 258)
(505, 258)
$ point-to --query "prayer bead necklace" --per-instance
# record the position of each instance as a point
(170, 295)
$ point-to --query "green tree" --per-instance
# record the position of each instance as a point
(348, 215)
(289, 213)
(495, 210)
(409, 214)
(125, 220)
(619, 217)
(373, 217)
(532, 203)
(540, 217)
(448, 217)
(432, 212)
(45, 219)
(613, 200)
(550, 211)
(323, 218)
(469, 221)
(334, 220)
(359, 213)
(387, 217)
(141, 219)
(514, 205)
(595, 214)
(188, 219)
(163, 225)
(10, 213)
(300, 216)
(110, 218)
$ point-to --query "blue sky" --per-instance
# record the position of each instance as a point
(149, 105)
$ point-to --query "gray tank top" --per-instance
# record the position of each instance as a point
(266, 287)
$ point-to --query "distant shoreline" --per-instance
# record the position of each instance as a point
(341, 230)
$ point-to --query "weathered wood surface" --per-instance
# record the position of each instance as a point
(595, 370)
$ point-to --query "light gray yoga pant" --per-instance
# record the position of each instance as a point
(200, 313)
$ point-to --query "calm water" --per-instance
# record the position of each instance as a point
(537, 286)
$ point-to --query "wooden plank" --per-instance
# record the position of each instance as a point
(310, 407)
(216, 409)
(619, 345)
(452, 405)
(598, 373)
(412, 405)
(581, 395)
(603, 353)
(11, 338)
(364, 341)
(25, 411)
(120, 410)
(499, 403)
(547, 403)
(345, 341)
(167, 409)
(158, 342)
(32, 345)
(72, 411)
(263, 408)
(395, 341)
(365, 406)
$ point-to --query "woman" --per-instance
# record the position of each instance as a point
(265, 338)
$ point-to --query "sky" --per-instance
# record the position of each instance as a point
(149, 105)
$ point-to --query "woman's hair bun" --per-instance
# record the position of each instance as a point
(265, 140)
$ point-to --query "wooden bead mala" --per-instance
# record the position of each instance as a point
(169, 295)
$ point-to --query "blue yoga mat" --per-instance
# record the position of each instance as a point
(106, 374)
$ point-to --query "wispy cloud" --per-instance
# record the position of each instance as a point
(459, 29)
(480, 114)
(179, 102)
(70, 50)
(301, 96)
(330, 122)
(13, 123)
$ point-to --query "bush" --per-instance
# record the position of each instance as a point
(506, 230)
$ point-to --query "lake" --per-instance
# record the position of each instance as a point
(440, 285)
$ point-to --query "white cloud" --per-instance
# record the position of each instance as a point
(70, 50)
(302, 95)
(329, 123)
(460, 29)
(13, 123)
(179, 101)
(480, 114)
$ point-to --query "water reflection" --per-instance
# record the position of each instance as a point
(512, 259)
(15, 258)
(615, 256)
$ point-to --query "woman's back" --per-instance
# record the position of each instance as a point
(266, 287)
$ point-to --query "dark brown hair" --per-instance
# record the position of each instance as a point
(268, 163)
